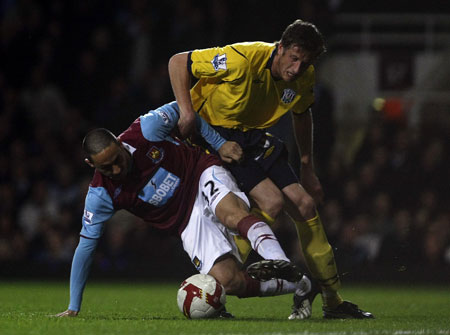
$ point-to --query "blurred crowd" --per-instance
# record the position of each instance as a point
(69, 66)
(387, 203)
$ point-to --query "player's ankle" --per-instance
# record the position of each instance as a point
(331, 299)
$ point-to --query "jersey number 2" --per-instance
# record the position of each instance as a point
(212, 191)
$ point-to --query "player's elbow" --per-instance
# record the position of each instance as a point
(178, 62)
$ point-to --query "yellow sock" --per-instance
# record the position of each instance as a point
(263, 215)
(319, 258)
(242, 243)
(330, 299)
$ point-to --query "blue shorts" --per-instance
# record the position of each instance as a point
(265, 156)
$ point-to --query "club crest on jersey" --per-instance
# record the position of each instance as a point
(288, 95)
(155, 154)
(87, 217)
(219, 62)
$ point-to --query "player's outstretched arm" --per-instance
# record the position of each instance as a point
(81, 264)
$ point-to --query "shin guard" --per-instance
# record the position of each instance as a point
(242, 243)
(318, 253)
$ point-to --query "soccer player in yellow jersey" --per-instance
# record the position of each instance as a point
(242, 89)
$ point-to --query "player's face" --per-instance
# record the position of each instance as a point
(114, 161)
(290, 63)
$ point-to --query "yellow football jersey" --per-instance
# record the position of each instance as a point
(236, 89)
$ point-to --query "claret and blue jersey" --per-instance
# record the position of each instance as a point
(160, 188)
(162, 184)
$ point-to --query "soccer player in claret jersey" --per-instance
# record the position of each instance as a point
(242, 89)
(184, 191)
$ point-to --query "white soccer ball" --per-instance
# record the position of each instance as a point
(201, 296)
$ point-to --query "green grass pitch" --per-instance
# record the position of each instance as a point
(139, 308)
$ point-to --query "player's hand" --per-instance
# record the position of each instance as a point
(67, 313)
(186, 124)
(231, 152)
(312, 185)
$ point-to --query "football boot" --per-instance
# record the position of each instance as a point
(346, 310)
(303, 299)
(274, 269)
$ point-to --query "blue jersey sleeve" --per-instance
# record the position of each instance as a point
(81, 264)
(98, 208)
(209, 134)
(157, 125)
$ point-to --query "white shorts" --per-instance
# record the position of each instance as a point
(205, 239)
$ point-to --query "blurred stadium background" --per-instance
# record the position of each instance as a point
(382, 120)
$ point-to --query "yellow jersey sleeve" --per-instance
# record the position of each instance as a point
(222, 63)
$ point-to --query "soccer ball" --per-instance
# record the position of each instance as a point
(201, 296)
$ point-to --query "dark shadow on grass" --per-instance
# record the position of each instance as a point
(132, 318)
(238, 319)
(253, 319)
(175, 318)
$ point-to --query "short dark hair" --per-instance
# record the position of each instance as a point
(305, 35)
(97, 140)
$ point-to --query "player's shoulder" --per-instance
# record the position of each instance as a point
(233, 60)
(310, 71)
(100, 192)
(99, 185)
(254, 45)
(158, 123)
(98, 180)
(132, 134)
(237, 51)
(253, 49)
(308, 77)
(154, 125)
(256, 54)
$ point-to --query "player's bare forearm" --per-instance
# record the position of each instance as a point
(312, 185)
(186, 124)
(303, 131)
(181, 84)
